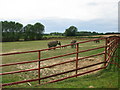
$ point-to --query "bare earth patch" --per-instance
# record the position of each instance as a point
(60, 68)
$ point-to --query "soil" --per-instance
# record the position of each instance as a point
(60, 68)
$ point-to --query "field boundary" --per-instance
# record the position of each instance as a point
(110, 46)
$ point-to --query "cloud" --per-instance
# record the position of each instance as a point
(85, 14)
(71, 9)
(98, 25)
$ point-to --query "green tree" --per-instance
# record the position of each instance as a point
(71, 31)
(28, 32)
(17, 31)
(38, 30)
(5, 31)
(56, 33)
(33, 32)
(11, 31)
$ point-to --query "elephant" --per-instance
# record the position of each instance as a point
(53, 44)
(72, 42)
(97, 41)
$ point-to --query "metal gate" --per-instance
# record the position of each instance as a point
(110, 46)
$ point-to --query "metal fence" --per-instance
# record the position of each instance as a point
(110, 46)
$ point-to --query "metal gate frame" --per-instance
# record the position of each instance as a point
(111, 44)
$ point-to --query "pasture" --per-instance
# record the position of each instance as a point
(9, 47)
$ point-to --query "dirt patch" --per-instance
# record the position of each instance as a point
(60, 68)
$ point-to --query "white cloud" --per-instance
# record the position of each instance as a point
(86, 10)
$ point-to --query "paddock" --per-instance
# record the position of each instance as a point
(42, 66)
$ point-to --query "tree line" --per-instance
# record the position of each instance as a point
(14, 31)
(73, 31)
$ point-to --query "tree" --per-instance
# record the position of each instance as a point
(5, 31)
(28, 32)
(71, 31)
(33, 32)
(14, 31)
(38, 30)
(11, 31)
(56, 33)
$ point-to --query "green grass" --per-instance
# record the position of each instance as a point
(100, 80)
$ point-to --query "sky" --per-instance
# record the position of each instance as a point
(58, 15)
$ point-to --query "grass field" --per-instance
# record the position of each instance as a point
(99, 80)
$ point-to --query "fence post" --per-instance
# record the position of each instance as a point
(109, 51)
(105, 57)
(77, 49)
(39, 66)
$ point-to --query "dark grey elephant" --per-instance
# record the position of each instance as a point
(54, 44)
(97, 41)
(74, 45)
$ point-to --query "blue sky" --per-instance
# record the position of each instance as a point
(58, 15)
